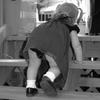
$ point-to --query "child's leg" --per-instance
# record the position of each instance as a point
(49, 77)
(34, 63)
(53, 71)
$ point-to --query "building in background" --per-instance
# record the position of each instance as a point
(22, 16)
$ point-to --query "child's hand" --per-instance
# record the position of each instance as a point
(77, 62)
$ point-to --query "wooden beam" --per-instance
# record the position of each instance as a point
(13, 62)
(72, 65)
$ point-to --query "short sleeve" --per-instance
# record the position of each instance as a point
(75, 28)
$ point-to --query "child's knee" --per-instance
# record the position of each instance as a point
(51, 61)
(53, 65)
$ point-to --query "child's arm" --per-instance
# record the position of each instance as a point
(76, 45)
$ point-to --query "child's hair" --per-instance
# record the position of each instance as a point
(68, 11)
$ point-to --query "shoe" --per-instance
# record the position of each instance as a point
(48, 87)
(31, 92)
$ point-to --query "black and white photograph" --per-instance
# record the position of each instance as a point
(49, 50)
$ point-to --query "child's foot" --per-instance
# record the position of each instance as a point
(31, 92)
(48, 86)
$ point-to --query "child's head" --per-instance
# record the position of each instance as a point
(69, 10)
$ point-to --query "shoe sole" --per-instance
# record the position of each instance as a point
(48, 89)
(31, 94)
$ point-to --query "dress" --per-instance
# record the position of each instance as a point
(52, 37)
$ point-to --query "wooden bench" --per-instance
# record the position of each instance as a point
(72, 66)
(18, 93)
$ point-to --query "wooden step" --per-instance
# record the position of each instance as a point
(18, 93)
(72, 65)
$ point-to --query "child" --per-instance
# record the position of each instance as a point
(47, 51)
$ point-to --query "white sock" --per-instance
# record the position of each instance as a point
(31, 84)
(50, 75)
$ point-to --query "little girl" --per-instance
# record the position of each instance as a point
(47, 51)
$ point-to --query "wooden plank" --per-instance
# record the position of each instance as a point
(92, 82)
(84, 37)
(72, 65)
(18, 93)
(13, 62)
(85, 65)
(88, 38)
